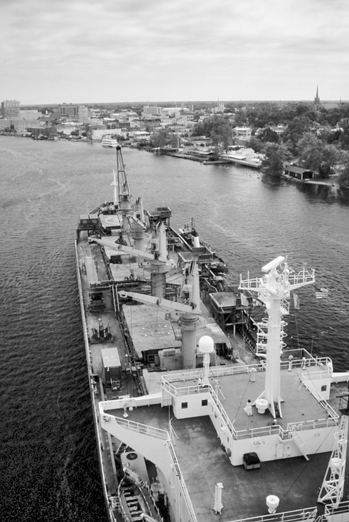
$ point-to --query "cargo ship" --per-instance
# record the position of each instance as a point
(186, 430)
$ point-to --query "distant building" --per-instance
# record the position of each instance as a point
(219, 109)
(83, 114)
(242, 135)
(10, 109)
(317, 103)
(29, 115)
(149, 111)
(298, 173)
(279, 129)
(19, 125)
(70, 111)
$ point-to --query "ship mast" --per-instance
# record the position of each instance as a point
(274, 290)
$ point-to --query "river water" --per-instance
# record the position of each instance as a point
(48, 459)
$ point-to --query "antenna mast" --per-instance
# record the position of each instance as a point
(274, 290)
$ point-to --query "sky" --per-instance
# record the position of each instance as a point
(85, 51)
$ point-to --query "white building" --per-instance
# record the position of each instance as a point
(151, 111)
(29, 115)
(243, 134)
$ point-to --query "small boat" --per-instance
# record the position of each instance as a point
(136, 501)
(109, 141)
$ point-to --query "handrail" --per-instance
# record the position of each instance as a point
(309, 385)
(343, 507)
(223, 413)
(179, 475)
(297, 515)
(216, 371)
(137, 426)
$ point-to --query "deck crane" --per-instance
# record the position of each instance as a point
(274, 291)
(189, 310)
(159, 265)
(125, 205)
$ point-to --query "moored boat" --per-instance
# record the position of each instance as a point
(109, 141)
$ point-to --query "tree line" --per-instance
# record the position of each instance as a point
(314, 139)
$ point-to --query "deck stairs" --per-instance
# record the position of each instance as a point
(299, 442)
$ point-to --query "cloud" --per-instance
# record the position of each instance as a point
(170, 44)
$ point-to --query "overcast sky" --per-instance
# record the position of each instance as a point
(55, 51)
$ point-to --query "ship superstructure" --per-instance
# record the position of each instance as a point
(205, 436)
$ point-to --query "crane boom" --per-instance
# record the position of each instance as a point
(163, 303)
(123, 248)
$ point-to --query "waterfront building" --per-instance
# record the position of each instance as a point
(298, 173)
(31, 115)
(20, 125)
(10, 109)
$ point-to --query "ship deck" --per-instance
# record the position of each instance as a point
(201, 457)
(204, 462)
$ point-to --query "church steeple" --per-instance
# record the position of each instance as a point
(317, 99)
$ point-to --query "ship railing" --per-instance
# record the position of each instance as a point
(284, 434)
(215, 371)
(342, 509)
(221, 371)
(183, 390)
(144, 429)
(128, 402)
(322, 362)
(185, 493)
(253, 283)
(222, 413)
(263, 431)
(327, 407)
(298, 515)
(303, 277)
(310, 425)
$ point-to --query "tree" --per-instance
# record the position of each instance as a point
(310, 149)
(164, 137)
(269, 135)
(344, 137)
(329, 157)
(295, 131)
(256, 144)
(275, 155)
(343, 179)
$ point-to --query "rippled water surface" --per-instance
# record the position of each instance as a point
(49, 468)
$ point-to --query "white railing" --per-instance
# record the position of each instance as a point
(135, 402)
(309, 386)
(223, 413)
(298, 515)
(342, 509)
(186, 496)
(144, 429)
(311, 424)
